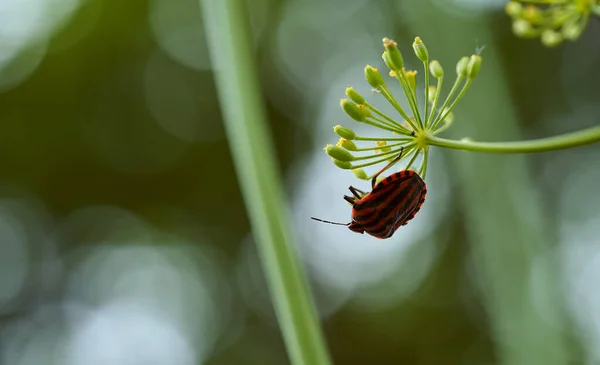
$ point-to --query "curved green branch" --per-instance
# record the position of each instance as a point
(568, 140)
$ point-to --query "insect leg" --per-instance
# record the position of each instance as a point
(356, 192)
(374, 180)
(350, 199)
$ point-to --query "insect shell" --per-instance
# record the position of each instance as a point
(392, 203)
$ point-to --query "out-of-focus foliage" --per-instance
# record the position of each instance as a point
(123, 237)
(553, 21)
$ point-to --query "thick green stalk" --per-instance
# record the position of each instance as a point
(568, 140)
(232, 54)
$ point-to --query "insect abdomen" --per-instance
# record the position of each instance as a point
(391, 204)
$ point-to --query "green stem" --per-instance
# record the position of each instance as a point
(393, 126)
(378, 147)
(426, 70)
(568, 140)
(436, 98)
(381, 114)
(411, 96)
(375, 124)
(438, 117)
(231, 51)
(566, 16)
(362, 158)
(424, 165)
(445, 111)
(442, 128)
(390, 98)
(412, 160)
(408, 151)
(585, 19)
(357, 138)
(386, 158)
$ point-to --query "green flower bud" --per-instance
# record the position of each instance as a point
(449, 118)
(361, 174)
(373, 77)
(571, 31)
(532, 14)
(342, 164)
(420, 50)
(513, 9)
(347, 144)
(393, 54)
(365, 110)
(352, 110)
(436, 69)
(462, 65)
(474, 66)
(523, 28)
(339, 153)
(432, 90)
(388, 61)
(344, 132)
(355, 96)
(551, 38)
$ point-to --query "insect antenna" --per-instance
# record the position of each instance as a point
(336, 223)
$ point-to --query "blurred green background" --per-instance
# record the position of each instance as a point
(124, 238)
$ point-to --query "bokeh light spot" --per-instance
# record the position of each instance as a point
(14, 260)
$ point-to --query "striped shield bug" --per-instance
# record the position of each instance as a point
(391, 203)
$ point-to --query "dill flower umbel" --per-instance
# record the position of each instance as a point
(406, 136)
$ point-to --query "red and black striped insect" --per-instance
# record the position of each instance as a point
(392, 203)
